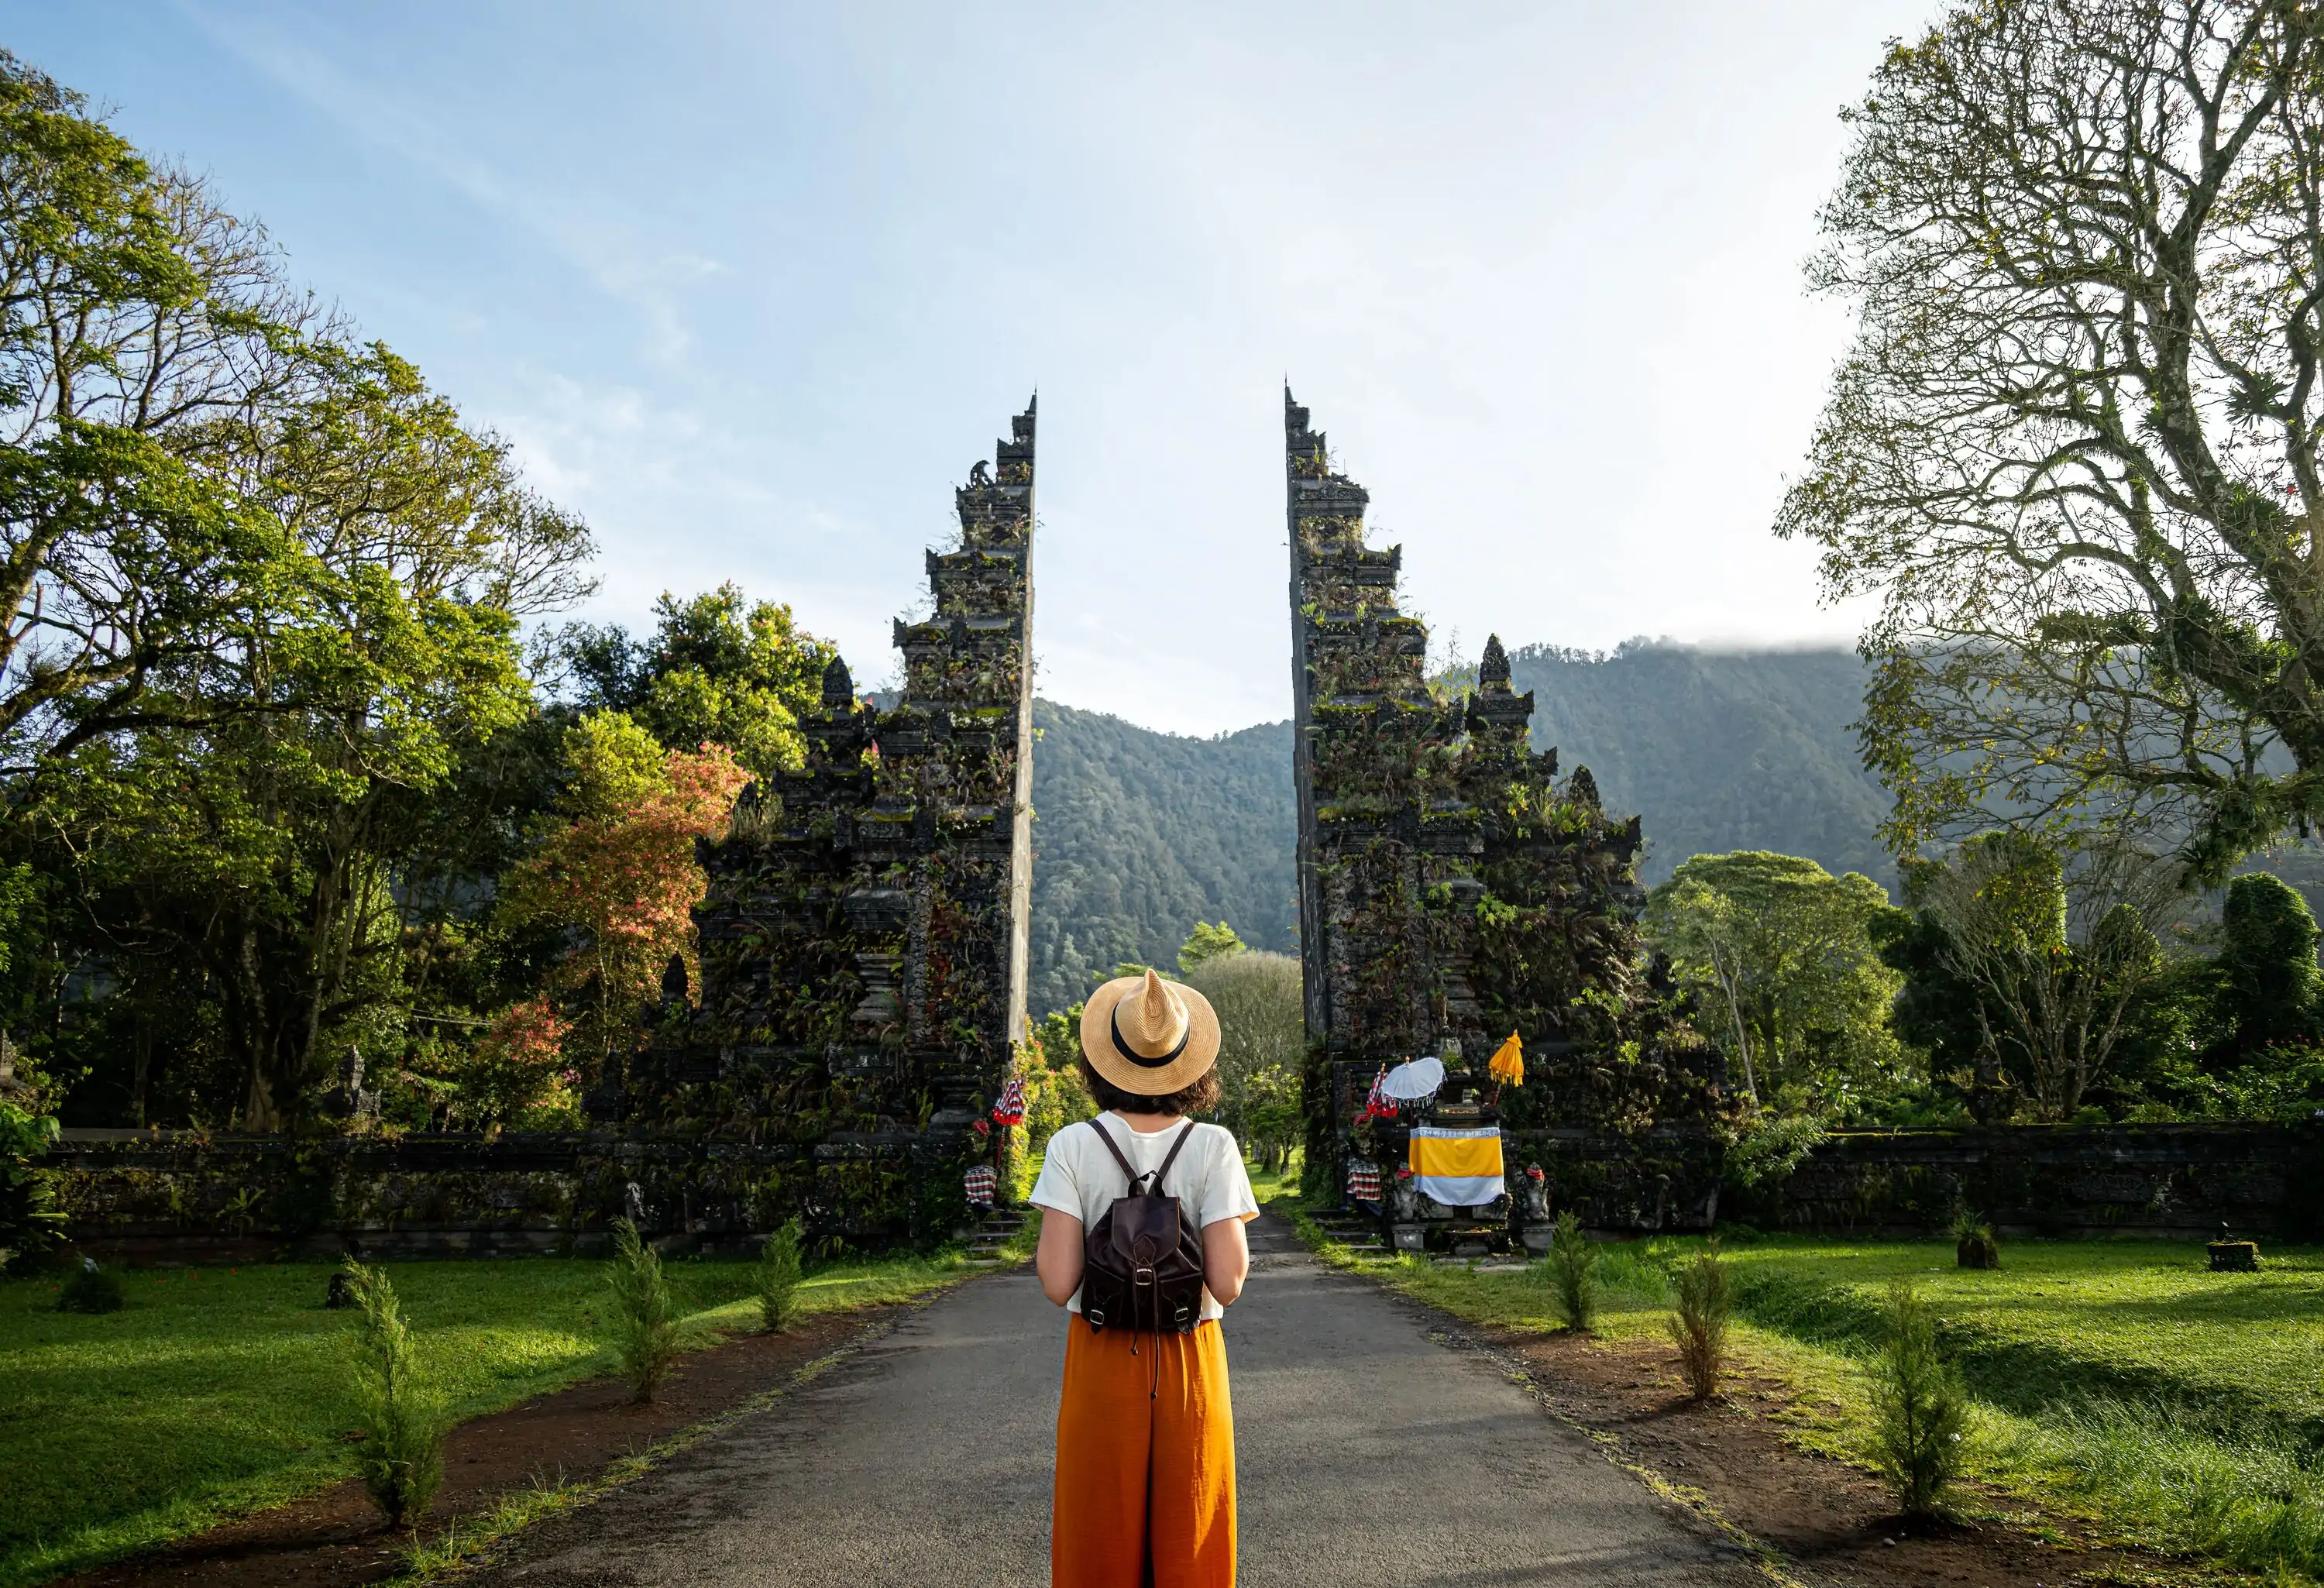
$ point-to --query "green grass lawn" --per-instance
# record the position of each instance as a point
(216, 1392)
(2117, 1380)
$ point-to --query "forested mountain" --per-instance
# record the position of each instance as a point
(1140, 834)
(1717, 751)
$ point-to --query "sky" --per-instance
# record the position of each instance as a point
(750, 286)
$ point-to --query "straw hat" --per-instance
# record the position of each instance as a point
(1149, 1037)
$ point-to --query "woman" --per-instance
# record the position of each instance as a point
(1145, 1486)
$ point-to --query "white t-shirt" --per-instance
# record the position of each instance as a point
(1080, 1177)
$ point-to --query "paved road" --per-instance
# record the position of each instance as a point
(1366, 1453)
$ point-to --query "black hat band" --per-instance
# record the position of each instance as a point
(1113, 1022)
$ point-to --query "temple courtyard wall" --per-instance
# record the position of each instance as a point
(187, 1198)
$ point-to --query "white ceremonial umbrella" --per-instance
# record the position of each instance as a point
(1415, 1079)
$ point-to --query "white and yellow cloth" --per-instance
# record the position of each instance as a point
(1458, 1167)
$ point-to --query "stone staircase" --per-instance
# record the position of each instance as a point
(985, 1239)
(1360, 1234)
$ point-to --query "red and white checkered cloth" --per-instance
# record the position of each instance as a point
(982, 1185)
(1011, 1109)
(1379, 1106)
(1363, 1181)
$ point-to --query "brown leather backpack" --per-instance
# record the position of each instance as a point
(1141, 1264)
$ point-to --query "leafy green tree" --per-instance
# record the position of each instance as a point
(718, 668)
(1787, 975)
(1206, 943)
(2267, 980)
(2074, 447)
(136, 316)
(2051, 978)
(1262, 1046)
(268, 848)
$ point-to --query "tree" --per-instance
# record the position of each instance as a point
(620, 868)
(1262, 1046)
(1206, 943)
(268, 842)
(1781, 953)
(2053, 974)
(2073, 449)
(719, 669)
(2265, 976)
(135, 315)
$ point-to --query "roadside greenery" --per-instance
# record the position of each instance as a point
(1571, 1273)
(400, 1456)
(779, 1273)
(2119, 1381)
(216, 1393)
(1702, 1304)
(647, 1332)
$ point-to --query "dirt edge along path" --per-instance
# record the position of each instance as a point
(1807, 1518)
(586, 1438)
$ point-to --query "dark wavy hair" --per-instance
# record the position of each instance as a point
(1199, 1096)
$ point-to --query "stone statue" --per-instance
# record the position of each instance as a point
(1533, 1198)
(1404, 1201)
(351, 1100)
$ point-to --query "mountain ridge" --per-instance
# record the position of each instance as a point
(1138, 833)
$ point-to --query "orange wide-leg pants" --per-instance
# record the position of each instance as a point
(1145, 1483)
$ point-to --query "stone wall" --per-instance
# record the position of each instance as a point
(2060, 1180)
(182, 1197)
(191, 1198)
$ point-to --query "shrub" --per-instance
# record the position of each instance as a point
(1918, 1405)
(401, 1459)
(1698, 1322)
(29, 1219)
(645, 1319)
(778, 1278)
(90, 1289)
(1572, 1269)
(1974, 1246)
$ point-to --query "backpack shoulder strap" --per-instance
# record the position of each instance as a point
(1163, 1173)
(1114, 1148)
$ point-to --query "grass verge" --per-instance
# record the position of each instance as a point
(2117, 1383)
(477, 1541)
(217, 1392)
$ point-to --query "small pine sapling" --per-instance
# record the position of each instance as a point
(1571, 1267)
(1698, 1322)
(645, 1319)
(778, 1277)
(1918, 1407)
(400, 1458)
(90, 1289)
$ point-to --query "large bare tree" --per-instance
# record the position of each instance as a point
(2073, 449)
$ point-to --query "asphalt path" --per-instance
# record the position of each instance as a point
(1370, 1447)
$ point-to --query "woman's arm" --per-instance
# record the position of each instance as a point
(1058, 1258)
(1226, 1259)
